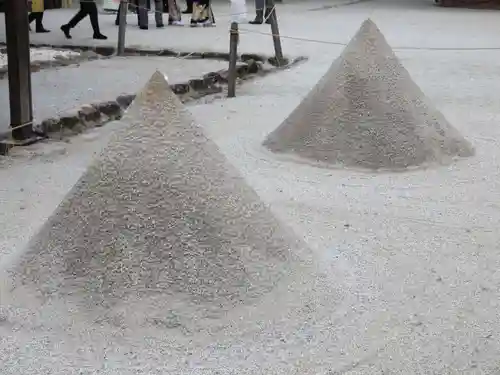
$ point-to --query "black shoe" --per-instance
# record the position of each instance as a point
(65, 29)
(42, 29)
(143, 27)
(259, 18)
(256, 21)
(160, 25)
(100, 36)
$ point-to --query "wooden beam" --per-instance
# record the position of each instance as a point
(18, 60)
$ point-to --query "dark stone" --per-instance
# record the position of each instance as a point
(125, 100)
(252, 66)
(480, 4)
(69, 121)
(197, 84)
(223, 75)
(110, 108)
(167, 52)
(241, 69)
(215, 55)
(190, 55)
(212, 77)
(252, 56)
(180, 88)
(47, 126)
(278, 63)
(104, 50)
(89, 114)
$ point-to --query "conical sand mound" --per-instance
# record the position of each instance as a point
(160, 218)
(367, 112)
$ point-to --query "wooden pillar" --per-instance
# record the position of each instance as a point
(18, 59)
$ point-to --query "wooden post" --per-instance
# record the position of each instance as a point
(233, 56)
(18, 60)
(275, 32)
(122, 26)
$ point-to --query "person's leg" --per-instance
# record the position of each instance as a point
(189, 7)
(82, 13)
(211, 16)
(94, 21)
(117, 20)
(259, 12)
(267, 13)
(142, 15)
(32, 16)
(174, 13)
(196, 15)
(39, 23)
(204, 15)
(159, 13)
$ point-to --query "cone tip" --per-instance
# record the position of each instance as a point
(157, 75)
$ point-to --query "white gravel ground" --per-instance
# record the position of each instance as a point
(42, 54)
(412, 258)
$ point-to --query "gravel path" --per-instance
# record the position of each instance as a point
(409, 280)
(62, 89)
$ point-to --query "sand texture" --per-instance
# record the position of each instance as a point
(159, 229)
(367, 112)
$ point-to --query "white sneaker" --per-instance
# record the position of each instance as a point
(176, 23)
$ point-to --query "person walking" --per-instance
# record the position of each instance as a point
(134, 4)
(260, 6)
(38, 18)
(202, 14)
(37, 9)
(142, 14)
(87, 8)
(174, 13)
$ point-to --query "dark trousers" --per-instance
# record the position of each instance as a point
(86, 8)
(142, 13)
(260, 5)
(37, 17)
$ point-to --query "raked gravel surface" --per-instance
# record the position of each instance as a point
(411, 258)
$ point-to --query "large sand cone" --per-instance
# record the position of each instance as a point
(161, 220)
(367, 112)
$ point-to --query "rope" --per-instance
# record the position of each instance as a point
(297, 38)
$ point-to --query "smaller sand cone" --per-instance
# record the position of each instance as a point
(367, 112)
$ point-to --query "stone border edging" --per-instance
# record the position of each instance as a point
(90, 53)
(98, 114)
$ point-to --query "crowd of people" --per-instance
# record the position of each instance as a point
(200, 10)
